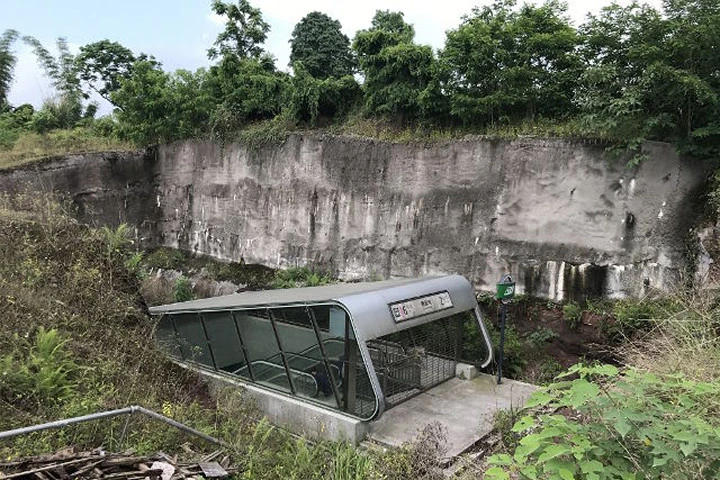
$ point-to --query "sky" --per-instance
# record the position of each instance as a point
(178, 33)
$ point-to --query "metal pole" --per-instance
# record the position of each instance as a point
(109, 414)
(331, 377)
(503, 313)
(242, 346)
(282, 351)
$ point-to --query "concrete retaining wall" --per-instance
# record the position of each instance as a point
(558, 215)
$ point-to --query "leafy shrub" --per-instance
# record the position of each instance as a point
(631, 315)
(541, 336)
(616, 425)
(572, 313)
(167, 259)
(329, 98)
(183, 290)
(117, 240)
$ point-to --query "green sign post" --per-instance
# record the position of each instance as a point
(505, 293)
(505, 290)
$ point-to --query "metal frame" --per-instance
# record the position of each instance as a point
(110, 414)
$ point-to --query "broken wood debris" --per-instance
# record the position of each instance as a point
(98, 464)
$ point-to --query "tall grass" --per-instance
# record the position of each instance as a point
(684, 339)
(30, 146)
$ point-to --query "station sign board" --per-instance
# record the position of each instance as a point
(417, 307)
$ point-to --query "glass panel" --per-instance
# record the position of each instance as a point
(304, 356)
(322, 315)
(166, 338)
(191, 337)
(359, 396)
(262, 350)
(225, 343)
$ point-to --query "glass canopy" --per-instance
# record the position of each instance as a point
(324, 351)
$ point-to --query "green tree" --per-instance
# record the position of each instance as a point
(102, 65)
(244, 84)
(690, 84)
(246, 90)
(393, 23)
(7, 65)
(62, 71)
(387, 29)
(191, 103)
(622, 48)
(155, 106)
(245, 31)
(144, 110)
(653, 75)
(398, 73)
(319, 44)
(503, 64)
(66, 110)
(313, 100)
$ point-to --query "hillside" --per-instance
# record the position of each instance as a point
(76, 339)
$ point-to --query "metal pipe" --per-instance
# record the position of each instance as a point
(109, 414)
(179, 426)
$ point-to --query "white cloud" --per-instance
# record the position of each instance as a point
(30, 84)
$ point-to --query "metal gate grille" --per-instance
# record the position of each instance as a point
(413, 360)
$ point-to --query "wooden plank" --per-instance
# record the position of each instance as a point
(44, 469)
(147, 473)
(212, 470)
(87, 468)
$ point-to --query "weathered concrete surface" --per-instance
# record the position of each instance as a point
(108, 188)
(556, 214)
(465, 408)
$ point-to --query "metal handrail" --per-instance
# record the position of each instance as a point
(278, 367)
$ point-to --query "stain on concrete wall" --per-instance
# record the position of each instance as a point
(557, 215)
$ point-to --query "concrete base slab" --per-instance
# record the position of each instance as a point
(465, 407)
(293, 414)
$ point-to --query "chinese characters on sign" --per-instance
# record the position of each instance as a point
(416, 307)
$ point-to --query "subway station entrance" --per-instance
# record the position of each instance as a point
(358, 349)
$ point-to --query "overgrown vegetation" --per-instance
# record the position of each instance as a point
(627, 74)
(608, 424)
(169, 274)
(300, 277)
(75, 339)
(654, 416)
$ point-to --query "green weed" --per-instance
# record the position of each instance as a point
(41, 371)
(183, 290)
(572, 313)
(300, 277)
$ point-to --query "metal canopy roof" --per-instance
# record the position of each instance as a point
(367, 302)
